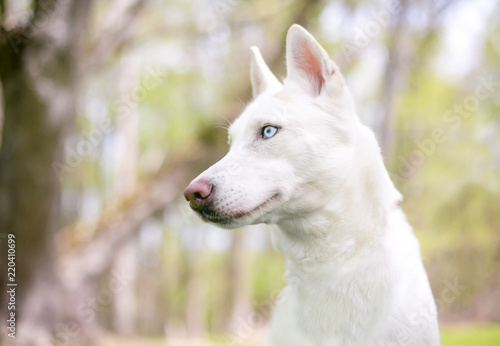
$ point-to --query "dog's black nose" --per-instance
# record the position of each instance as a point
(198, 192)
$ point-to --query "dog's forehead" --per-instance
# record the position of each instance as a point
(265, 109)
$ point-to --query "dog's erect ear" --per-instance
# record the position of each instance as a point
(309, 65)
(261, 77)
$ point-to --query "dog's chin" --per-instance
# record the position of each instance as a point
(235, 219)
(219, 219)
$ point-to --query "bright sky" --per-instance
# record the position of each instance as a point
(463, 27)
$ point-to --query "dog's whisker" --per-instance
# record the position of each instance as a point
(242, 102)
(222, 126)
(226, 119)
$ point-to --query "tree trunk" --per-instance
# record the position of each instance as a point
(392, 83)
(29, 191)
(239, 302)
(195, 290)
(38, 74)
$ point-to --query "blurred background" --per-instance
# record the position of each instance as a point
(109, 108)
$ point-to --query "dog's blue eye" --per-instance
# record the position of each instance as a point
(269, 131)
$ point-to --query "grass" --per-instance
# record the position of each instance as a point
(487, 335)
(470, 335)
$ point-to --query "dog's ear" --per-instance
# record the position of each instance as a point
(309, 65)
(261, 77)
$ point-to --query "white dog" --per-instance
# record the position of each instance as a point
(301, 159)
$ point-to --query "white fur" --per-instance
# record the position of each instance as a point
(353, 264)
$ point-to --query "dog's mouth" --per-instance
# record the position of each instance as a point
(210, 214)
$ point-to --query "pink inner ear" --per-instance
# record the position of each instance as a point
(307, 60)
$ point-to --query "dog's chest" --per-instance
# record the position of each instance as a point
(348, 308)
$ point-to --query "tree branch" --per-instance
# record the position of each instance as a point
(93, 258)
(3, 10)
(122, 221)
(80, 244)
(116, 35)
(275, 62)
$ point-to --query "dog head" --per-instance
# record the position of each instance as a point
(291, 149)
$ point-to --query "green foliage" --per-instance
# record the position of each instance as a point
(488, 335)
(268, 278)
(452, 197)
(174, 112)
